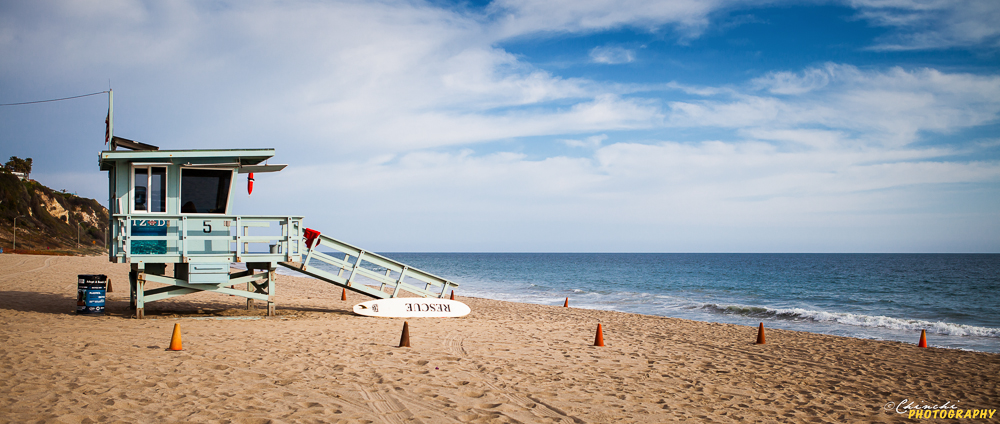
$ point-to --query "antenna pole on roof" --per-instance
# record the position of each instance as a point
(109, 137)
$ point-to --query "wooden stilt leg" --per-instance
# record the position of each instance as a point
(140, 304)
(270, 293)
(250, 288)
(131, 293)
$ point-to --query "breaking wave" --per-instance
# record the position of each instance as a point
(859, 320)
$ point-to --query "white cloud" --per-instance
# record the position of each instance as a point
(591, 142)
(890, 107)
(611, 55)
(791, 83)
(439, 128)
(520, 17)
(825, 150)
(338, 77)
(379, 108)
(916, 24)
(662, 196)
(934, 24)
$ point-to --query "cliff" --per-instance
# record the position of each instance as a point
(49, 220)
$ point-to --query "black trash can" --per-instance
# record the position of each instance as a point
(90, 293)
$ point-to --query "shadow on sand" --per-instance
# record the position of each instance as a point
(65, 304)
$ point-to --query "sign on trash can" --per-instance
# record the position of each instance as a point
(91, 291)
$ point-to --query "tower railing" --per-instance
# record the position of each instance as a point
(198, 238)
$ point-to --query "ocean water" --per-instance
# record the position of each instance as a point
(872, 296)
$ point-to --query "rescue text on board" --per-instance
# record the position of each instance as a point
(428, 307)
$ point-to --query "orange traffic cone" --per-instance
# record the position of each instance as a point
(599, 340)
(343, 295)
(109, 286)
(452, 295)
(923, 339)
(175, 340)
(404, 339)
(760, 334)
(566, 303)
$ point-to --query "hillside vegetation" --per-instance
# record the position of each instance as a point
(49, 220)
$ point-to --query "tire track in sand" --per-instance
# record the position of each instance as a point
(386, 407)
(455, 345)
(540, 411)
(48, 262)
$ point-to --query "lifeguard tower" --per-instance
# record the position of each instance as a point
(175, 207)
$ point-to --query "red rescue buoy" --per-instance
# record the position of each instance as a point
(250, 184)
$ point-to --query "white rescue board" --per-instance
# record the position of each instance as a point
(412, 307)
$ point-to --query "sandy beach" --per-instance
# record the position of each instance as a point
(506, 362)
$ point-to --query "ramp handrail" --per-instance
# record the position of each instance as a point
(396, 274)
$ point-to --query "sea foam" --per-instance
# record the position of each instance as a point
(859, 320)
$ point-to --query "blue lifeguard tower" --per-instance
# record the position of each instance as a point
(175, 207)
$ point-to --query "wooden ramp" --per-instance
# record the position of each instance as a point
(366, 272)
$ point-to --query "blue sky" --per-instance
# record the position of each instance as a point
(622, 126)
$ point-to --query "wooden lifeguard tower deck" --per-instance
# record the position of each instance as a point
(174, 207)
